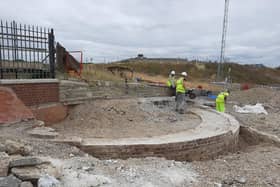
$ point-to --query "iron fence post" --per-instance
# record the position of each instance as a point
(51, 54)
(1, 70)
(2, 43)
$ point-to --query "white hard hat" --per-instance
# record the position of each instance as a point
(184, 74)
(172, 72)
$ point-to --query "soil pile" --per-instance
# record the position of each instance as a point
(125, 118)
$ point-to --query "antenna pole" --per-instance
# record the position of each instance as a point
(220, 73)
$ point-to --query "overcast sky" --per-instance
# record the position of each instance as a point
(116, 29)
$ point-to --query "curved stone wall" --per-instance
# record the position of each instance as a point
(216, 134)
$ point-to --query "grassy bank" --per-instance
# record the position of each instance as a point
(158, 70)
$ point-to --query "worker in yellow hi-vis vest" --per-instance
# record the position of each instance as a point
(171, 83)
(181, 93)
(220, 101)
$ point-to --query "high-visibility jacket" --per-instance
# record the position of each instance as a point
(180, 86)
(221, 97)
(171, 82)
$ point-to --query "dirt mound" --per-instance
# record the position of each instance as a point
(125, 118)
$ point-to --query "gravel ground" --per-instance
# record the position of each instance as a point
(127, 173)
(257, 166)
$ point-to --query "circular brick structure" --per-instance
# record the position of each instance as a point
(216, 134)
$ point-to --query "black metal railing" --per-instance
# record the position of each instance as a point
(26, 52)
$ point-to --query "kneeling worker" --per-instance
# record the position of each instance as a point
(171, 82)
(220, 101)
(181, 93)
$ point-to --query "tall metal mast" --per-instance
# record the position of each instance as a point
(223, 46)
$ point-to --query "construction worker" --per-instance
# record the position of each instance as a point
(181, 93)
(220, 101)
(171, 82)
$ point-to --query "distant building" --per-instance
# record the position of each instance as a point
(140, 56)
(258, 65)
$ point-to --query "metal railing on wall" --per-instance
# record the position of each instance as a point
(26, 51)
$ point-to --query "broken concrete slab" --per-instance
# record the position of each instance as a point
(26, 184)
(26, 161)
(3, 155)
(2, 147)
(241, 180)
(10, 181)
(34, 173)
(38, 123)
(48, 181)
(14, 147)
(4, 166)
(43, 132)
(74, 141)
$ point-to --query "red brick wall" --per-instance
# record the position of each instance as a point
(36, 93)
(200, 149)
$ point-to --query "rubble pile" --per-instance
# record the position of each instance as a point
(18, 168)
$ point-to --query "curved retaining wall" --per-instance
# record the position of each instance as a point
(216, 134)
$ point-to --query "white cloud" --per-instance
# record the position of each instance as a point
(115, 29)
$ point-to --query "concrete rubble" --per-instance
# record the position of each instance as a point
(31, 173)
(10, 181)
(26, 161)
(26, 184)
(43, 132)
(14, 147)
(48, 181)
(20, 170)
(4, 165)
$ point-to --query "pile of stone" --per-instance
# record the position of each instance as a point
(19, 169)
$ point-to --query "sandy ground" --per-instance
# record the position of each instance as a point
(125, 118)
(252, 165)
